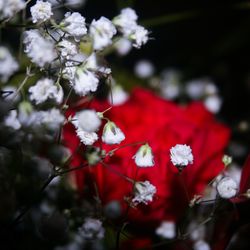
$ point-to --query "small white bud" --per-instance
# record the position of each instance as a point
(112, 134)
(144, 156)
(166, 230)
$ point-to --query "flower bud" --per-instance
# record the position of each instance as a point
(112, 134)
(144, 156)
(227, 188)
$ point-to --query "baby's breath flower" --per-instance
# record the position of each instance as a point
(227, 160)
(74, 24)
(92, 229)
(12, 121)
(67, 49)
(84, 82)
(8, 64)
(38, 48)
(123, 46)
(112, 134)
(9, 8)
(213, 103)
(102, 32)
(201, 245)
(46, 89)
(166, 230)
(126, 21)
(227, 188)
(181, 155)
(143, 192)
(41, 11)
(87, 120)
(117, 96)
(139, 36)
(144, 156)
(87, 138)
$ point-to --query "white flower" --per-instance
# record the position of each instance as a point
(102, 32)
(52, 118)
(87, 138)
(117, 96)
(39, 49)
(123, 46)
(213, 103)
(196, 231)
(170, 84)
(8, 65)
(201, 245)
(166, 230)
(126, 21)
(144, 156)
(41, 11)
(9, 8)
(143, 192)
(92, 229)
(46, 89)
(74, 24)
(139, 36)
(181, 155)
(144, 69)
(87, 120)
(227, 188)
(67, 49)
(12, 121)
(84, 82)
(112, 134)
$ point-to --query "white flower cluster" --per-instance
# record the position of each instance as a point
(41, 11)
(9, 8)
(127, 24)
(8, 65)
(46, 89)
(181, 155)
(38, 48)
(143, 192)
(87, 123)
(166, 230)
(92, 229)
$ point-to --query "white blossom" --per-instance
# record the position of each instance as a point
(12, 121)
(8, 65)
(102, 32)
(213, 103)
(84, 81)
(117, 96)
(144, 156)
(46, 89)
(67, 49)
(74, 24)
(144, 69)
(143, 192)
(227, 188)
(10, 7)
(41, 11)
(87, 120)
(181, 155)
(123, 46)
(170, 84)
(92, 229)
(196, 231)
(112, 134)
(126, 21)
(52, 118)
(139, 36)
(38, 48)
(201, 245)
(87, 138)
(166, 230)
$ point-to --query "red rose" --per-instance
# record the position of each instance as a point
(163, 124)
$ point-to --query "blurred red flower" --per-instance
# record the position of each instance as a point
(163, 124)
